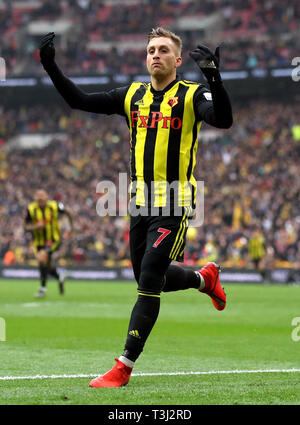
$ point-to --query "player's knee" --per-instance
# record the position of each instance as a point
(150, 281)
(42, 257)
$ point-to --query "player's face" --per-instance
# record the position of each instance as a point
(41, 198)
(162, 57)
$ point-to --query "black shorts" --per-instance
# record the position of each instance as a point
(49, 248)
(256, 262)
(163, 235)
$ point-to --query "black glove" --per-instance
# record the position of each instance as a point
(47, 49)
(207, 62)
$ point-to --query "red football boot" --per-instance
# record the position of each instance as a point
(118, 376)
(213, 288)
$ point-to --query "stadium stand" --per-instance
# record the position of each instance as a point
(102, 37)
(251, 171)
(247, 185)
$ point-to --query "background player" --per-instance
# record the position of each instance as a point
(257, 251)
(42, 220)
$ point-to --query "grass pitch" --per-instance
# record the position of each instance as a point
(195, 355)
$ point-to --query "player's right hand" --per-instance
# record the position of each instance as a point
(40, 224)
(47, 49)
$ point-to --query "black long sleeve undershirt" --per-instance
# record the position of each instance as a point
(101, 102)
(217, 112)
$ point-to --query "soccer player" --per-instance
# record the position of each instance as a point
(256, 250)
(42, 220)
(164, 118)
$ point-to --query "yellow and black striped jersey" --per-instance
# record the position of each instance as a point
(49, 235)
(164, 129)
(256, 247)
(163, 126)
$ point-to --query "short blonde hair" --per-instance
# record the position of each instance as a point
(162, 32)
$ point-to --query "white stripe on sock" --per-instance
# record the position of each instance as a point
(126, 361)
(202, 283)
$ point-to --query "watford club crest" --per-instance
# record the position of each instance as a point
(173, 101)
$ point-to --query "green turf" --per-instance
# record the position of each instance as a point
(82, 331)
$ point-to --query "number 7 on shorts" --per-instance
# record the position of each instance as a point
(164, 234)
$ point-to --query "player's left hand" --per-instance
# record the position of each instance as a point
(47, 49)
(207, 61)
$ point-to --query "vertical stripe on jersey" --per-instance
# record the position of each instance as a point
(134, 94)
(149, 146)
(55, 222)
(48, 226)
(34, 218)
(188, 141)
(44, 228)
(161, 149)
(193, 149)
(52, 224)
(175, 141)
(141, 150)
(38, 233)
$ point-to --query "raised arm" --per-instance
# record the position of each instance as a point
(213, 107)
(111, 102)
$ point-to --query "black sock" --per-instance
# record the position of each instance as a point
(143, 318)
(43, 274)
(178, 278)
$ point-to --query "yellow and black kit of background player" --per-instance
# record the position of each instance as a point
(49, 236)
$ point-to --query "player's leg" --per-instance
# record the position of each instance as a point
(149, 270)
(165, 236)
(42, 257)
(146, 308)
(206, 280)
(179, 278)
(142, 320)
(52, 270)
(137, 243)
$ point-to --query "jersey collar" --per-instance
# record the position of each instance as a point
(167, 88)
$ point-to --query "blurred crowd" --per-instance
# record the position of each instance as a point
(254, 33)
(251, 177)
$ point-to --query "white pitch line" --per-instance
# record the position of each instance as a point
(209, 372)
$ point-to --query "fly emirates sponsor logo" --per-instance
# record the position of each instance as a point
(150, 121)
